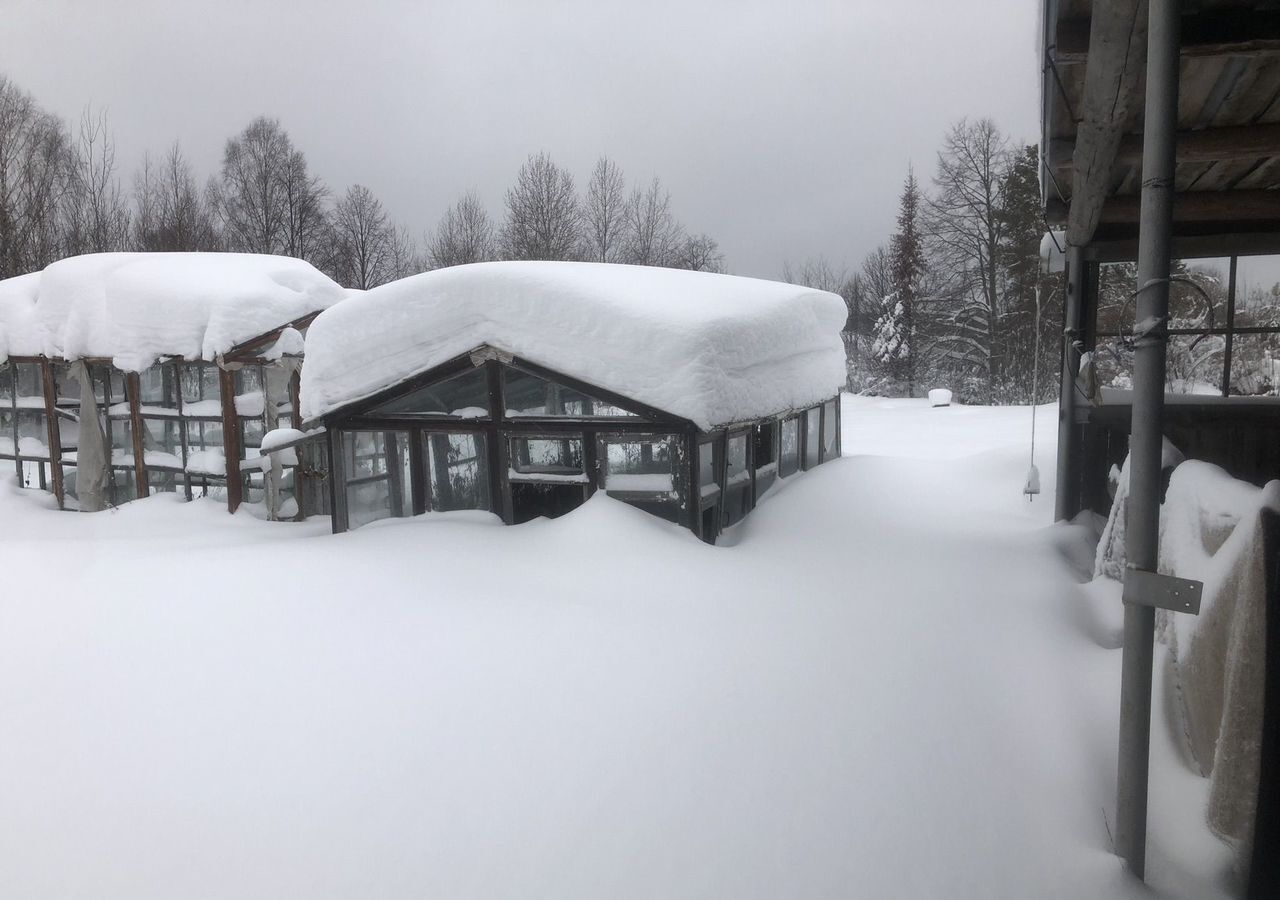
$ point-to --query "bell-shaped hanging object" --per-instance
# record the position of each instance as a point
(1032, 487)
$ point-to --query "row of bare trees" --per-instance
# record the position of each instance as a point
(546, 218)
(955, 298)
(62, 193)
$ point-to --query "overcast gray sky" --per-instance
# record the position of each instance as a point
(782, 129)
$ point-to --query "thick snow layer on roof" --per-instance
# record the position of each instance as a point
(709, 348)
(136, 307)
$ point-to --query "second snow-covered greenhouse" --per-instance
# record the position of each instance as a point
(522, 388)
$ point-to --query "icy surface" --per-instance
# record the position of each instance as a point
(136, 307)
(879, 686)
(709, 348)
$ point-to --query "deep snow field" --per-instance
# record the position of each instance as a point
(888, 682)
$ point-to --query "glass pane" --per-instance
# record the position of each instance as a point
(157, 387)
(67, 389)
(831, 428)
(764, 449)
(641, 466)
(459, 471)
(736, 460)
(163, 482)
(1255, 365)
(382, 472)
(366, 454)
(190, 383)
(1198, 293)
(1193, 364)
(529, 395)
(790, 455)
(6, 383)
(248, 380)
(121, 439)
(551, 456)
(706, 465)
(1197, 296)
(7, 442)
(33, 434)
(812, 447)
(1258, 292)
(464, 396)
(29, 385)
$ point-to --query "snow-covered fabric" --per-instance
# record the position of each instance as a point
(709, 348)
(136, 307)
(92, 453)
(1211, 530)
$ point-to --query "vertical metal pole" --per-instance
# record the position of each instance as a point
(1067, 491)
(1146, 433)
(1231, 329)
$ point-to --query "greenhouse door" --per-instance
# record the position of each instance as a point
(547, 475)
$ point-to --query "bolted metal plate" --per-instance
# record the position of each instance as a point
(1162, 591)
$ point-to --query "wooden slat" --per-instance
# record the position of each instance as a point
(1235, 32)
(1202, 206)
(1117, 45)
(1244, 142)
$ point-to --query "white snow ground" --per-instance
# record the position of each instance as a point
(888, 683)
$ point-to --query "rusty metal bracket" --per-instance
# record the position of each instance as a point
(1162, 591)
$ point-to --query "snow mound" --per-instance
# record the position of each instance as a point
(709, 348)
(137, 307)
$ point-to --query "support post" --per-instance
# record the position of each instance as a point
(1067, 491)
(1146, 428)
(230, 437)
(133, 392)
(53, 428)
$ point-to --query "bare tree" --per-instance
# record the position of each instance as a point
(170, 212)
(653, 234)
(465, 235)
(35, 166)
(543, 217)
(817, 272)
(96, 214)
(364, 251)
(965, 233)
(604, 212)
(266, 199)
(700, 253)
(306, 225)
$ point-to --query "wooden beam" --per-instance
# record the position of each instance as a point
(1209, 145)
(230, 437)
(1194, 206)
(1235, 32)
(133, 387)
(53, 428)
(1117, 59)
(1191, 246)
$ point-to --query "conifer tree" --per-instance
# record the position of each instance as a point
(907, 269)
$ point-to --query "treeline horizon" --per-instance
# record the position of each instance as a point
(63, 193)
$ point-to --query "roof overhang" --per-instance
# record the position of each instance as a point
(1228, 139)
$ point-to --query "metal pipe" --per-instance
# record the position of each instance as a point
(1067, 489)
(1146, 441)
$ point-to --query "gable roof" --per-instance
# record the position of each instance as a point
(709, 348)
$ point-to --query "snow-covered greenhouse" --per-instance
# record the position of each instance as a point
(522, 388)
(192, 359)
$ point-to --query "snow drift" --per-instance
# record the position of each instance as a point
(709, 348)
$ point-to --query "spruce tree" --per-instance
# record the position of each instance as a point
(907, 268)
